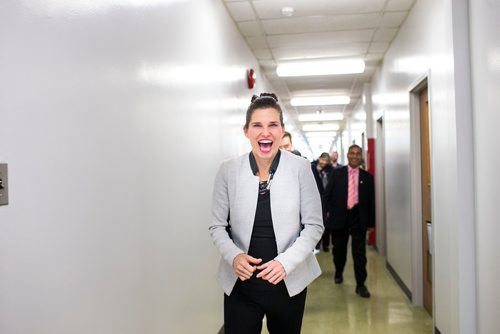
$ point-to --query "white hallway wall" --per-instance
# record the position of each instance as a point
(485, 54)
(432, 42)
(114, 117)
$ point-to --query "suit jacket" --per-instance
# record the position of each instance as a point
(328, 169)
(336, 197)
(338, 166)
(296, 214)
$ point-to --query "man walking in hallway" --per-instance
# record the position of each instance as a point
(350, 196)
(322, 169)
(286, 144)
(335, 158)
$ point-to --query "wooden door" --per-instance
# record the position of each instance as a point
(426, 199)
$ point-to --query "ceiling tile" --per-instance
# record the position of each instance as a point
(268, 63)
(262, 54)
(280, 88)
(319, 39)
(394, 5)
(277, 83)
(378, 47)
(270, 73)
(320, 23)
(241, 11)
(340, 50)
(280, 91)
(385, 34)
(374, 57)
(270, 9)
(257, 42)
(392, 19)
(250, 28)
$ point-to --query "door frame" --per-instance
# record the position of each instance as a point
(421, 83)
(380, 225)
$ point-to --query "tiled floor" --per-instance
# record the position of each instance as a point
(336, 309)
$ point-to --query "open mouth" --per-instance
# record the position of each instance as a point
(265, 145)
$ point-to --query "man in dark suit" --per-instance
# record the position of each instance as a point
(351, 203)
(321, 169)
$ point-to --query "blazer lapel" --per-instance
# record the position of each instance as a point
(247, 195)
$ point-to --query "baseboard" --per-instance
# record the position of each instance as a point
(398, 280)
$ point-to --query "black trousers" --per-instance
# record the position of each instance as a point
(325, 239)
(245, 308)
(357, 232)
(327, 235)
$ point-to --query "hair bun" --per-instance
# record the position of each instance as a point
(264, 96)
(271, 95)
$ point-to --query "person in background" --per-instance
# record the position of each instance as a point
(335, 157)
(321, 169)
(350, 195)
(266, 220)
(286, 144)
(326, 216)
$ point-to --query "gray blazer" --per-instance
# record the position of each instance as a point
(295, 209)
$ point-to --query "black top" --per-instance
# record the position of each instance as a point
(263, 241)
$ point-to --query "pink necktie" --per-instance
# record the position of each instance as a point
(351, 195)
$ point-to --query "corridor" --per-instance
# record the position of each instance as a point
(115, 116)
(336, 309)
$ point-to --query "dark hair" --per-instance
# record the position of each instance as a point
(287, 134)
(264, 100)
(325, 155)
(354, 146)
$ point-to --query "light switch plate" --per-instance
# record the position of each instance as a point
(4, 185)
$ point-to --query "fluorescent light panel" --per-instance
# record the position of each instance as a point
(320, 67)
(360, 116)
(320, 100)
(318, 117)
(320, 134)
(357, 126)
(320, 127)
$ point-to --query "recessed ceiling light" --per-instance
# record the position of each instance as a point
(287, 11)
(320, 127)
(320, 67)
(332, 116)
(320, 100)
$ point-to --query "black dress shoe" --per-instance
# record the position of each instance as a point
(338, 279)
(362, 291)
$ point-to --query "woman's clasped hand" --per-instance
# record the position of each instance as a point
(245, 266)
